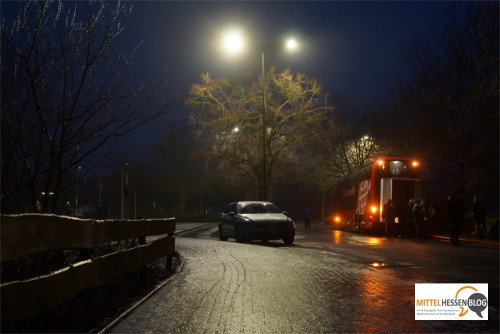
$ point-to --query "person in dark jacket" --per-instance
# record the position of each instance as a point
(389, 213)
(307, 217)
(455, 211)
(419, 218)
(479, 213)
(408, 226)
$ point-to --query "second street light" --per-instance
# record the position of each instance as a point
(234, 43)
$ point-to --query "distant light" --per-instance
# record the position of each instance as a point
(366, 137)
(236, 129)
(414, 163)
(291, 44)
(377, 264)
(233, 42)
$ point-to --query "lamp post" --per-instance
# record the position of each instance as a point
(233, 43)
(264, 130)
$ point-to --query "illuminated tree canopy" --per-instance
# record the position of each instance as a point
(228, 115)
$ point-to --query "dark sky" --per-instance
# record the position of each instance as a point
(350, 46)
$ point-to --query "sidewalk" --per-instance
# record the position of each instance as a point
(470, 239)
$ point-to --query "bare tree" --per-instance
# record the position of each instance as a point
(230, 117)
(64, 95)
(347, 151)
(348, 144)
(447, 110)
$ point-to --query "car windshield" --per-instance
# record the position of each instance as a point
(260, 208)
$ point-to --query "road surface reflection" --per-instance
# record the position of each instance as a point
(386, 303)
(339, 237)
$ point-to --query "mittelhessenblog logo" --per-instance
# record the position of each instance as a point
(451, 301)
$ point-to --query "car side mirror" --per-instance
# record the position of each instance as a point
(285, 213)
(231, 214)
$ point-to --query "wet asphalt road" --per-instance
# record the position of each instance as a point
(324, 283)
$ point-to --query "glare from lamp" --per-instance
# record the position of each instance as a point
(233, 42)
(291, 44)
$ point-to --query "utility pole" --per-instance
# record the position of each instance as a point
(125, 190)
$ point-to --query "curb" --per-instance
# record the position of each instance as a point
(486, 243)
(145, 298)
(155, 290)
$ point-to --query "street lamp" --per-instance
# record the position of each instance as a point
(291, 44)
(234, 43)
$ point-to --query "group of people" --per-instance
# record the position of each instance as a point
(413, 221)
(417, 216)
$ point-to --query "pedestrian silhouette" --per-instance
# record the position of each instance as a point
(389, 213)
(419, 219)
(307, 217)
(431, 212)
(455, 211)
(408, 226)
(479, 213)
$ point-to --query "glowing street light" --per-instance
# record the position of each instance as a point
(233, 42)
(291, 44)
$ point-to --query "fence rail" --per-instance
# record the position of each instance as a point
(31, 234)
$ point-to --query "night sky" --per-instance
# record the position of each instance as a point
(349, 46)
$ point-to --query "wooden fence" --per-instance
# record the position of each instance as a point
(31, 234)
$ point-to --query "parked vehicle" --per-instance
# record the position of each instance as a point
(255, 220)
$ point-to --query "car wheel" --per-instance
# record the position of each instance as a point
(222, 237)
(288, 241)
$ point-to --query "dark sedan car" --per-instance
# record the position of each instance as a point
(246, 221)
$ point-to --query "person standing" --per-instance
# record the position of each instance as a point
(455, 211)
(431, 212)
(419, 218)
(408, 224)
(479, 213)
(307, 217)
(389, 215)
